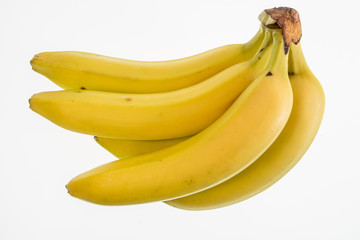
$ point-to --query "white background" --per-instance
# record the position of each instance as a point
(318, 199)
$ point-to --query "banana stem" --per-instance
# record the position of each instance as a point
(297, 63)
(285, 18)
(256, 40)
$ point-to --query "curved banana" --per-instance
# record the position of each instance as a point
(80, 70)
(283, 154)
(151, 116)
(129, 148)
(225, 148)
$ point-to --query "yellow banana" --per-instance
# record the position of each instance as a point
(151, 116)
(80, 70)
(283, 154)
(129, 148)
(214, 155)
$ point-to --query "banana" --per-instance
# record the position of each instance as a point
(130, 148)
(151, 116)
(283, 154)
(214, 155)
(81, 70)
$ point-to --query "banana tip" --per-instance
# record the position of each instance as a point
(68, 189)
(37, 63)
(30, 102)
(34, 60)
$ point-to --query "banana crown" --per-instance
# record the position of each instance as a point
(286, 19)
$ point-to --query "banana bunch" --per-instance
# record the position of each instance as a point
(197, 133)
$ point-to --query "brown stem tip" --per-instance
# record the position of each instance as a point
(285, 18)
